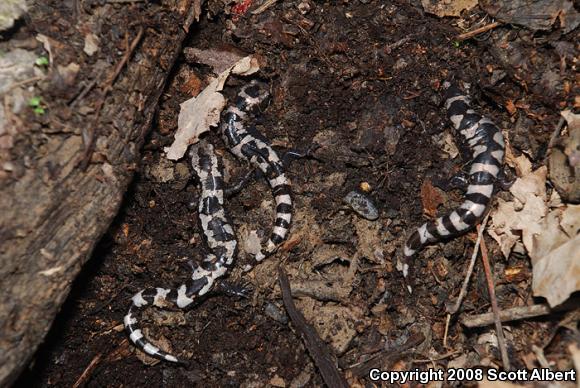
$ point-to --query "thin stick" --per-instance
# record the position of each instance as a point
(471, 266)
(320, 352)
(447, 321)
(88, 371)
(540, 356)
(513, 314)
(477, 31)
(85, 91)
(494, 307)
(455, 308)
(24, 82)
(267, 4)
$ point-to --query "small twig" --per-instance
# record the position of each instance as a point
(85, 91)
(494, 307)
(88, 371)
(267, 4)
(539, 352)
(477, 31)
(455, 308)
(447, 321)
(399, 43)
(124, 60)
(321, 354)
(463, 291)
(24, 82)
(512, 314)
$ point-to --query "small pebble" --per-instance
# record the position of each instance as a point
(274, 312)
(362, 205)
(365, 187)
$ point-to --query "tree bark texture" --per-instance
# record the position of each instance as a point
(54, 211)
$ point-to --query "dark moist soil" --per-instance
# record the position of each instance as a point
(363, 81)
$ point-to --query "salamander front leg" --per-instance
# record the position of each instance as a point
(293, 154)
(505, 180)
(233, 289)
(459, 181)
(235, 189)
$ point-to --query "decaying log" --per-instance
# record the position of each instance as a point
(54, 212)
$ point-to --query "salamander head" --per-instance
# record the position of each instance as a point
(252, 96)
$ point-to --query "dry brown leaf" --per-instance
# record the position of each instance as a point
(511, 107)
(446, 142)
(443, 8)
(571, 118)
(549, 238)
(564, 160)
(91, 44)
(531, 185)
(557, 275)
(449, 146)
(251, 242)
(431, 198)
(522, 216)
(277, 381)
(199, 114)
(501, 229)
(246, 66)
(570, 220)
(521, 163)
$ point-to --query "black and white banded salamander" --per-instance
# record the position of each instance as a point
(487, 147)
(247, 143)
(219, 234)
(220, 238)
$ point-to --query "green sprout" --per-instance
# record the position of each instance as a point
(36, 104)
(456, 43)
(41, 61)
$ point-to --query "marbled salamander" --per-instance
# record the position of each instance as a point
(220, 238)
(248, 144)
(487, 147)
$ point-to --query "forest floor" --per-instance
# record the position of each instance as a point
(361, 80)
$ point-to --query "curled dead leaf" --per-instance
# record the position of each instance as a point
(197, 115)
